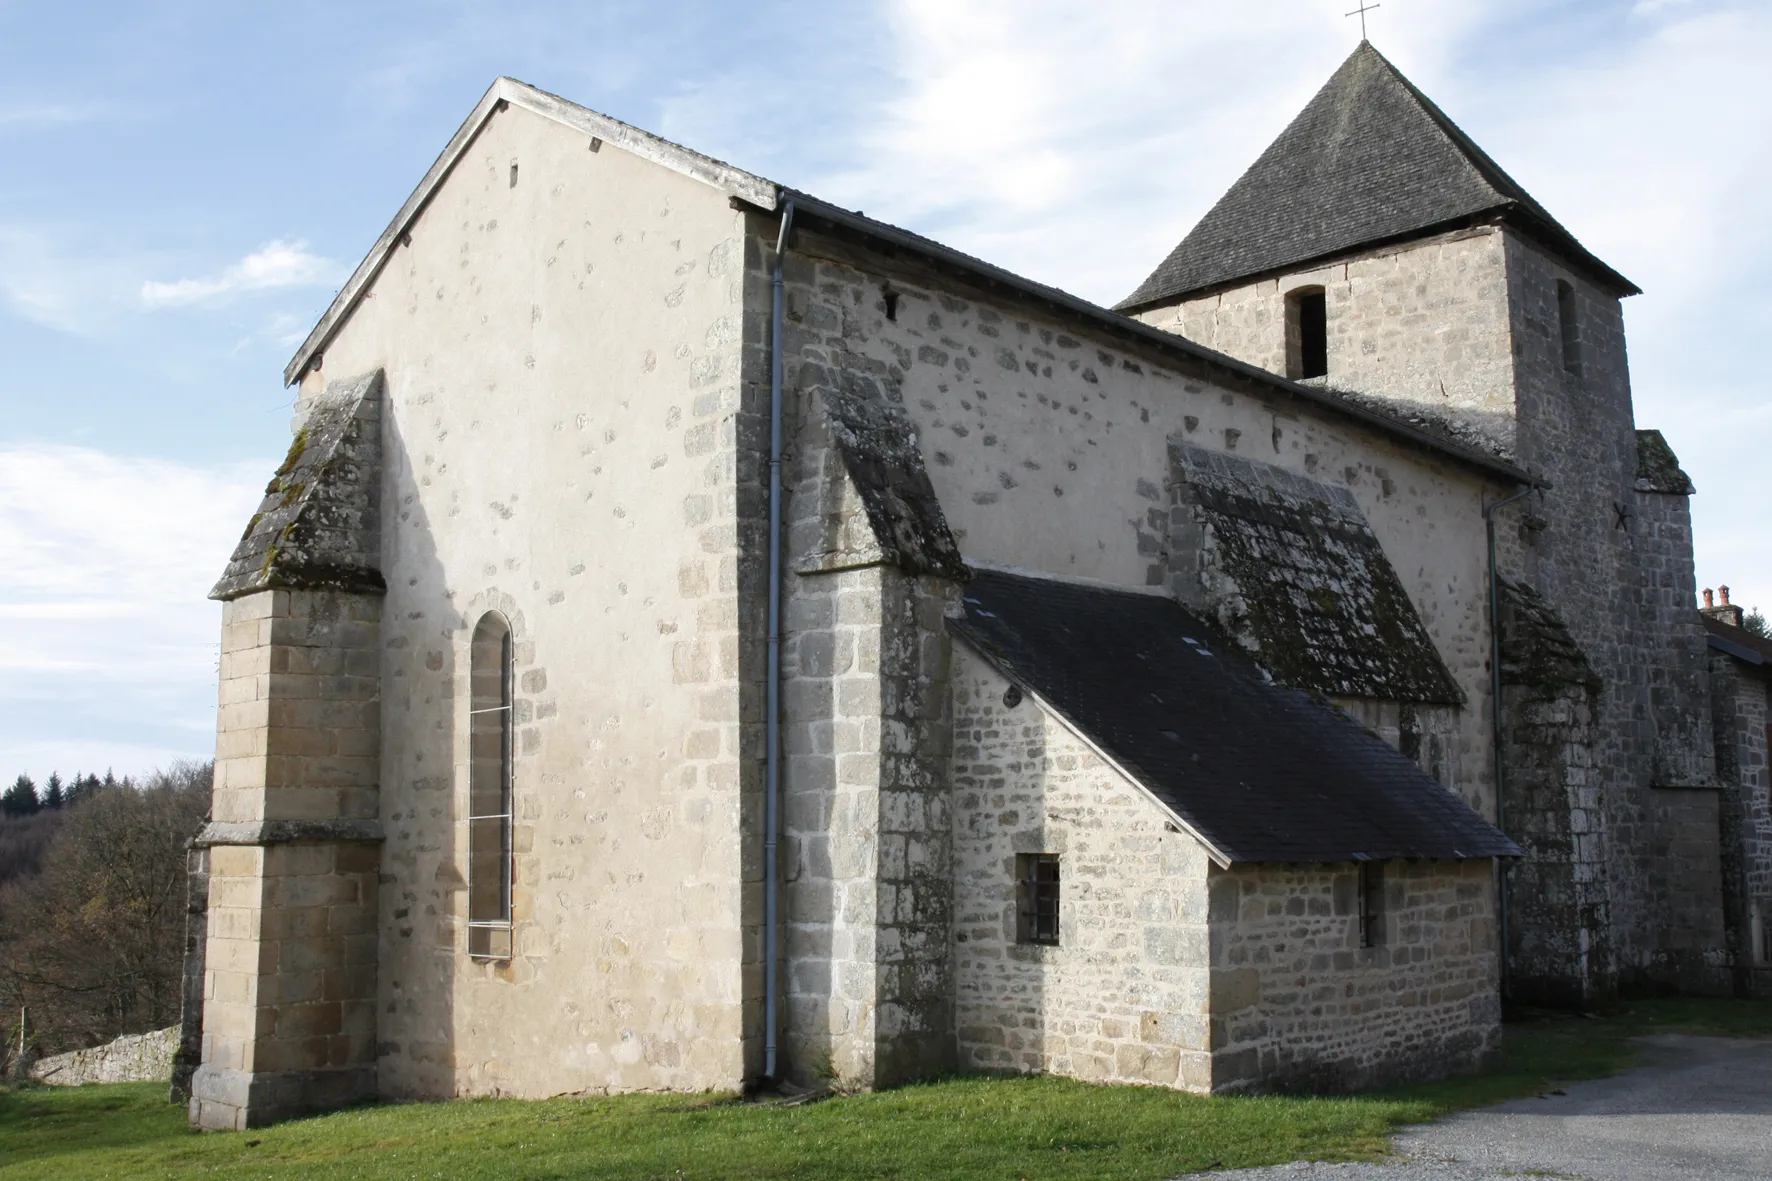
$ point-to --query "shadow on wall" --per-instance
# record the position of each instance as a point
(424, 879)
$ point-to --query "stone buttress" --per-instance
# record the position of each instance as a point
(289, 987)
(867, 865)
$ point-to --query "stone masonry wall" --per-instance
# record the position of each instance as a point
(1297, 1003)
(867, 851)
(1462, 332)
(1022, 415)
(1123, 996)
(1611, 564)
(289, 1020)
(1690, 953)
(132, 1058)
(571, 433)
(1740, 709)
(189, 1055)
(1559, 928)
(1675, 653)
(1422, 326)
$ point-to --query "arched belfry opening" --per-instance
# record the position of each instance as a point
(1307, 333)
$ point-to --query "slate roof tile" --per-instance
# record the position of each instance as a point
(1369, 160)
(1260, 772)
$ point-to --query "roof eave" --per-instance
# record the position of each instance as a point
(1559, 241)
(807, 206)
(504, 92)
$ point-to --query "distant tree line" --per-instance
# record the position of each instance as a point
(92, 905)
(23, 798)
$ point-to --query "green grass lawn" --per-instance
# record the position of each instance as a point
(962, 1129)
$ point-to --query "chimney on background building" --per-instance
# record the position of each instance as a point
(1726, 613)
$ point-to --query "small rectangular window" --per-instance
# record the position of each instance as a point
(1036, 898)
(1307, 334)
(1569, 327)
(1371, 904)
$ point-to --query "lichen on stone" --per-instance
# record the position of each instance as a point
(878, 444)
(1658, 468)
(1290, 567)
(318, 526)
(1537, 648)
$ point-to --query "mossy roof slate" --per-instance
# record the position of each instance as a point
(1296, 575)
(318, 527)
(1257, 771)
(1658, 468)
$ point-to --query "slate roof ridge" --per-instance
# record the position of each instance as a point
(895, 238)
(768, 196)
(1298, 205)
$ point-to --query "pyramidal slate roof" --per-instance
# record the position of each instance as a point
(1255, 770)
(1369, 160)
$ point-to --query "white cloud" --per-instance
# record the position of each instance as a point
(1077, 143)
(275, 264)
(38, 116)
(107, 641)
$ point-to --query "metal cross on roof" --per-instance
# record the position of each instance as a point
(1362, 10)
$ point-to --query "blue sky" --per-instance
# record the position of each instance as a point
(188, 183)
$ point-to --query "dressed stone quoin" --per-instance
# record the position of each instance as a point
(701, 635)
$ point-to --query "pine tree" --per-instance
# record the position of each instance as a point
(21, 798)
(52, 792)
(1755, 622)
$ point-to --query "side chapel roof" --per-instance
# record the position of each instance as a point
(1255, 770)
(1370, 160)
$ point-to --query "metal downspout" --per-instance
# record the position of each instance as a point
(772, 705)
(1496, 737)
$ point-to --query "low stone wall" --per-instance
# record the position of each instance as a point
(132, 1058)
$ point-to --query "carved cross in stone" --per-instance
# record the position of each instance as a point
(1361, 11)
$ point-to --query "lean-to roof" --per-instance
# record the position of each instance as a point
(1255, 770)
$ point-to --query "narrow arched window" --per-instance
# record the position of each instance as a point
(1569, 327)
(489, 791)
(1307, 333)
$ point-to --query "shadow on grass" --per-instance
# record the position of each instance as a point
(965, 1129)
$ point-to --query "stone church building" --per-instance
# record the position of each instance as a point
(701, 635)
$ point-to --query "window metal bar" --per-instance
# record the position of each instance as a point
(491, 709)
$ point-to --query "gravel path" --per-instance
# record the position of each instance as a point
(1697, 1109)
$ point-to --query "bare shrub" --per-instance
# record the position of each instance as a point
(92, 944)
